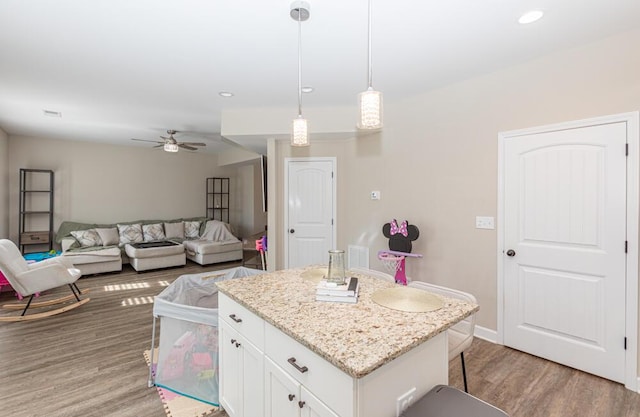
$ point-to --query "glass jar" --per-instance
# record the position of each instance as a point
(336, 272)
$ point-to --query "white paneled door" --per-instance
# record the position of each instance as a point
(310, 212)
(564, 208)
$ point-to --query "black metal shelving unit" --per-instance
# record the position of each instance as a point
(36, 210)
(218, 199)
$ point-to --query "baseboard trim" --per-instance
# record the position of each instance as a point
(486, 334)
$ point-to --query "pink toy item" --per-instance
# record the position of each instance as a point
(394, 262)
(261, 246)
(400, 236)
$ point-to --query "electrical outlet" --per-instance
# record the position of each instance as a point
(404, 401)
(375, 195)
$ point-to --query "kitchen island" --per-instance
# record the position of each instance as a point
(284, 354)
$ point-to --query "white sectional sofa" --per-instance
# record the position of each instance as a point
(95, 248)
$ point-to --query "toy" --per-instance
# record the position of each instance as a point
(192, 354)
(400, 237)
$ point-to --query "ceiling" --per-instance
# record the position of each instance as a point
(122, 69)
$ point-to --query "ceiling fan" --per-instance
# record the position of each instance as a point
(170, 144)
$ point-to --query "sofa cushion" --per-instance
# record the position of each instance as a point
(153, 231)
(207, 247)
(87, 257)
(174, 230)
(192, 230)
(109, 236)
(87, 238)
(130, 233)
(217, 231)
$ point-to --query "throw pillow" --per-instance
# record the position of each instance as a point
(130, 233)
(87, 238)
(108, 236)
(174, 230)
(192, 230)
(153, 232)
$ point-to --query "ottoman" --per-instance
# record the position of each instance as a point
(154, 255)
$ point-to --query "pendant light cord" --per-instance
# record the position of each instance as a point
(299, 62)
(369, 49)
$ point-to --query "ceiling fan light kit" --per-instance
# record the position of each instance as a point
(170, 144)
(299, 131)
(171, 147)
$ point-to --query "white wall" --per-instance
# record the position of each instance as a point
(435, 162)
(98, 183)
(4, 185)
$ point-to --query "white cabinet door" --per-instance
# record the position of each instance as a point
(313, 407)
(282, 393)
(230, 371)
(253, 379)
(241, 375)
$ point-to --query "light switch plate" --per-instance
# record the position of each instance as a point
(483, 222)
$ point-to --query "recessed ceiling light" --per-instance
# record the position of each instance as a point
(51, 113)
(307, 89)
(530, 17)
(225, 94)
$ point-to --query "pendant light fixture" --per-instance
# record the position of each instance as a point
(300, 131)
(370, 101)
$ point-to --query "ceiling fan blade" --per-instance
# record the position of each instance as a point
(182, 145)
(144, 140)
(159, 146)
(194, 143)
(165, 138)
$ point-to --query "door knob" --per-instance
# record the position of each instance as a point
(292, 231)
(511, 252)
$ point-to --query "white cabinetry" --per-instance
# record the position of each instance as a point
(265, 372)
(333, 387)
(286, 397)
(241, 362)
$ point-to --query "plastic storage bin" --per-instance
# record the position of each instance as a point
(188, 343)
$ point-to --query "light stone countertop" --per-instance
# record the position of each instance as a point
(357, 338)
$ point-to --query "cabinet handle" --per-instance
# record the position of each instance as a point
(291, 397)
(302, 369)
(234, 318)
(301, 404)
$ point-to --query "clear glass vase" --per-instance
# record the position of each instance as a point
(336, 272)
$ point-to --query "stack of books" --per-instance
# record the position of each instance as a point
(347, 293)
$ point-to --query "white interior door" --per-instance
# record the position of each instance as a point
(310, 211)
(564, 246)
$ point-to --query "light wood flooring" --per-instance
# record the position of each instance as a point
(88, 362)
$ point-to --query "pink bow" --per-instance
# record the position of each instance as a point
(402, 229)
